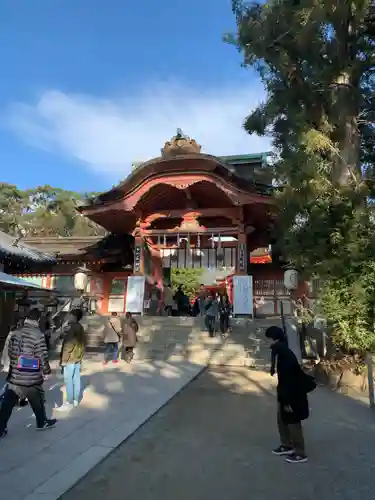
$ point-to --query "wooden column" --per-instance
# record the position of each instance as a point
(49, 281)
(107, 280)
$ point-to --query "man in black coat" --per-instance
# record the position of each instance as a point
(292, 388)
(27, 344)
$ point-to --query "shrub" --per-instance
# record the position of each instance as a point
(348, 305)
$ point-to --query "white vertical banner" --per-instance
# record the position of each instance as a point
(243, 295)
(135, 294)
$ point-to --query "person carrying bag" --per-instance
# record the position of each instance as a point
(129, 337)
(112, 337)
(28, 367)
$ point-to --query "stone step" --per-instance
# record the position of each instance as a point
(161, 338)
(168, 320)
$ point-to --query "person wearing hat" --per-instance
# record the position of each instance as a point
(292, 389)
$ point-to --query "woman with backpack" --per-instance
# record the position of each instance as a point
(71, 356)
(292, 402)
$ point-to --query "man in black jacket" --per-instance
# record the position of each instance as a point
(292, 388)
(23, 382)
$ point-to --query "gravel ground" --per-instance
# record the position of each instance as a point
(213, 442)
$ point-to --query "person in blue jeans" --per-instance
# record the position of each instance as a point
(112, 335)
(72, 352)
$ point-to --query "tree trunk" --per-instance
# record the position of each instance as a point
(347, 164)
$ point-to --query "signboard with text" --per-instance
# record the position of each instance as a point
(135, 294)
(242, 260)
(116, 304)
(137, 258)
(243, 295)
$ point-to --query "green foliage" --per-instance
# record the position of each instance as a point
(189, 278)
(348, 306)
(11, 207)
(316, 60)
(44, 211)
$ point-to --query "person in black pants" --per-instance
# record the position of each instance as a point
(293, 385)
(224, 312)
(211, 312)
(23, 382)
(5, 361)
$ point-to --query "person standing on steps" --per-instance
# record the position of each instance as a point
(182, 301)
(211, 312)
(129, 337)
(292, 402)
(199, 305)
(71, 356)
(168, 299)
(224, 312)
(29, 367)
(112, 335)
(155, 300)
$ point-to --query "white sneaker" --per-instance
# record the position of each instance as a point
(66, 406)
(75, 404)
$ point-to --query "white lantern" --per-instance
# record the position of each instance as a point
(291, 279)
(93, 306)
(81, 279)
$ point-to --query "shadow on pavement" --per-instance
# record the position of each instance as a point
(212, 441)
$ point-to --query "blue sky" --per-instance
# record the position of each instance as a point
(88, 86)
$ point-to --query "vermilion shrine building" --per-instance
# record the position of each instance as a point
(182, 209)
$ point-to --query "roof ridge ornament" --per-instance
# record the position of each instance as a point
(180, 144)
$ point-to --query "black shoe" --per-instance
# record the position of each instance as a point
(48, 424)
(4, 433)
(296, 459)
(283, 450)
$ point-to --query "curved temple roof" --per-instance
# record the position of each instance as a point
(11, 248)
(182, 153)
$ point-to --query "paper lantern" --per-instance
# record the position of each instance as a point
(291, 279)
(81, 279)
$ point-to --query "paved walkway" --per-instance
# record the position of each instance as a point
(213, 442)
(117, 400)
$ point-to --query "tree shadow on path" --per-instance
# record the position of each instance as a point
(214, 440)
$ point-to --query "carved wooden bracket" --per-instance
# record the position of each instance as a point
(151, 218)
(234, 214)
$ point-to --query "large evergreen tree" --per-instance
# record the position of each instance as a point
(44, 211)
(316, 59)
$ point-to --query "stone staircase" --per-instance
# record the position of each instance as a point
(246, 345)
(174, 338)
(163, 338)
